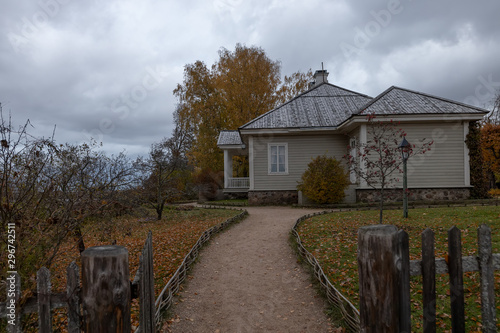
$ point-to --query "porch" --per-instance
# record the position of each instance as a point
(236, 167)
(241, 183)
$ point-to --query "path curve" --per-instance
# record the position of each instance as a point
(248, 280)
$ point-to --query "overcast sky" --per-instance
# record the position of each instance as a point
(106, 69)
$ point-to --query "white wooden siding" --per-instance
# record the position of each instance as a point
(443, 165)
(301, 149)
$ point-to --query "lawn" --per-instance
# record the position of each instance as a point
(332, 239)
(173, 238)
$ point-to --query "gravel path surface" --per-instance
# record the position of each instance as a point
(248, 280)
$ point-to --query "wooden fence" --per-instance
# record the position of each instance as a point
(384, 278)
(106, 290)
(105, 284)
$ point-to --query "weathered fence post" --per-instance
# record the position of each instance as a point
(456, 280)
(429, 281)
(147, 288)
(43, 290)
(403, 266)
(487, 279)
(378, 278)
(106, 289)
(72, 294)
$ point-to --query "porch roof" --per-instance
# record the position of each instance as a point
(229, 138)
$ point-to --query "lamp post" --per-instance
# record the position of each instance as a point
(405, 153)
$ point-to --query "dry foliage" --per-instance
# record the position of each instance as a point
(490, 147)
(173, 238)
(240, 86)
(332, 239)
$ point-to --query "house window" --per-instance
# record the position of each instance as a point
(278, 158)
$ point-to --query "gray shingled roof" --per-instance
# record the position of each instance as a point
(325, 105)
(397, 101)
(229, 138)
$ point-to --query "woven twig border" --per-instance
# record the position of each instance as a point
(349, 312)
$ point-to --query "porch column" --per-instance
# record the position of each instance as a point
(228, 167)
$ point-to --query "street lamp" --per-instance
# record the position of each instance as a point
(405, 153)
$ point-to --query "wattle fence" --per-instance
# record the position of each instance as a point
(349, 312)
(384, 278)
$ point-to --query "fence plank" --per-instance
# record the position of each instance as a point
(378, 279)
(146, 288)
(106, 289)
(43, 293)
(456, 280)
(404, 288)
(487, 279)
(429, 281)
(72, 293)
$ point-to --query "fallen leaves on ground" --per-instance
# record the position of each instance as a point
(173, 238)
(332, 239)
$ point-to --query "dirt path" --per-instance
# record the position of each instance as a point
(248, 280)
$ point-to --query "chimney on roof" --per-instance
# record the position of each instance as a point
(320, 76)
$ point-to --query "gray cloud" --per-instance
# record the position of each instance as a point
(107, 68)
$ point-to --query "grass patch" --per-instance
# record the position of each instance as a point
(230, 202)
(332, 239)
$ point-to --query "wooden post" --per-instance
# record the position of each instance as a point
(72, 294)
(456, 280)
(43, 290)
(147, 289)
(106, 289)
(429, 281)
(378, 278)
(403, 266)
(488, 310)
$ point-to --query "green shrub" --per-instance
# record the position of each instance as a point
(324, 180)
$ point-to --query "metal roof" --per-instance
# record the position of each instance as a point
(325, 105)
(229, 138)
(399, 101)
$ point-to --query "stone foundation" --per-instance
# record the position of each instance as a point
(415, 194)
(235, 195)
(272, 198)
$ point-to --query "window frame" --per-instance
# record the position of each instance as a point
(269, 158)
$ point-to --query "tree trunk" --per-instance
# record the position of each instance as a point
(81, 243)
(159, 211)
